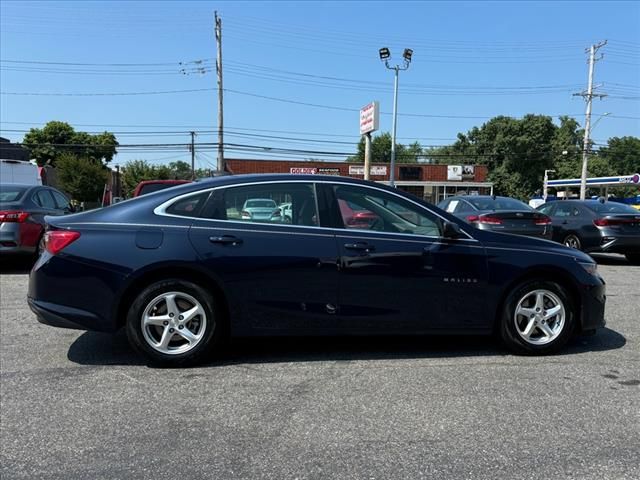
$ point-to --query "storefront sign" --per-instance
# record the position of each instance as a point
(468, 172)
(454, 172)
(375, 170)
(329, 171)
(303, 170)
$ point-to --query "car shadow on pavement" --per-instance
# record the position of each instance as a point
(93, 348)
(15, 265)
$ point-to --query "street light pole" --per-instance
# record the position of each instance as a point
(392, 174)
(385, 55)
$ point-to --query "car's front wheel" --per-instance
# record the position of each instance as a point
(538, 317)
(173, 323)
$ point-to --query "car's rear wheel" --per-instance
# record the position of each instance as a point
(538, 317)
(633, 258)
(173, 323)
(572, 241)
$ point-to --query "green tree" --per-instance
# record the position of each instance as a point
(623, 154)
(381, 150)
(55, 139)
(81, 178)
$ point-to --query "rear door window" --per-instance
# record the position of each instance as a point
(61, 201)
(272, 203)
(44, 199)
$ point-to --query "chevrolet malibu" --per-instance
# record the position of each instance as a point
(182, 272)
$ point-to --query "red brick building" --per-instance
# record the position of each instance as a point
(431, 182)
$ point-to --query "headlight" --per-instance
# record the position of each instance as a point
(591, 268)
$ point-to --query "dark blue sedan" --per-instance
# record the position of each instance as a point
(182, 270)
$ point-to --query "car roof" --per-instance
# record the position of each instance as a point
(466, 197)
(149, 182)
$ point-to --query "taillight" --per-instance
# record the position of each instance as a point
(542, 220)
(611, 222)
(57, 240)
(13, 216)
(488, 219)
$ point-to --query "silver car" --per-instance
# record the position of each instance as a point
(261, 210)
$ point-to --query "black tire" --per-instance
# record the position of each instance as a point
(511, 323)
(211, 332)
(572, 241)
(39, 248)
(633, 258)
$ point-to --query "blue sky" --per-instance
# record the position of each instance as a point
(472, 61)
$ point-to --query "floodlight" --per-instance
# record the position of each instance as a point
(407, 54)
(384, 53)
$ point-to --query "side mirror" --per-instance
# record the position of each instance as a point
(451, 230)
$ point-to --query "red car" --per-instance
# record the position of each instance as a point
(149, 186)
(355, 216)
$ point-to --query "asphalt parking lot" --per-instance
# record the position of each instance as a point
(82, 405)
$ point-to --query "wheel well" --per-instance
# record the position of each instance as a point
(543, 274)
(181, 273)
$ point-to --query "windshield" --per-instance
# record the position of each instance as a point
(610, 207)
(11, 193)
(500, 203)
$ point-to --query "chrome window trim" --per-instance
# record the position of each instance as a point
(160, 210)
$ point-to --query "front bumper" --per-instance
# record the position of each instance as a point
(593, 305)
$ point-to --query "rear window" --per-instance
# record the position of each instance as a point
(498, 204)
(10, 193)
(610, 207)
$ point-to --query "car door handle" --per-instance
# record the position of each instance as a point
(363, 246)
(565, 222)
(226, 240)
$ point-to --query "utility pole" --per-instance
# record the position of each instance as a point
(193, 156)
(588, 96)
(218, 32)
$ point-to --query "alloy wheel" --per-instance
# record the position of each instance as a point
(173, 323)
(572, 242)
(540, 317)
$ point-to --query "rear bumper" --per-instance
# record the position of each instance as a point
(73, 294)
(622, 244)
(66, 317)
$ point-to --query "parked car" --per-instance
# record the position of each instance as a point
(355, 216)
(150, 186)
(596, 226)
(286, 212)
(19, 172)
(500, 214)
(260, 210)
(22, 212)
(181, 273)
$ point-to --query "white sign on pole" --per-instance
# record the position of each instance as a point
(454, 172)
(369, 118)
